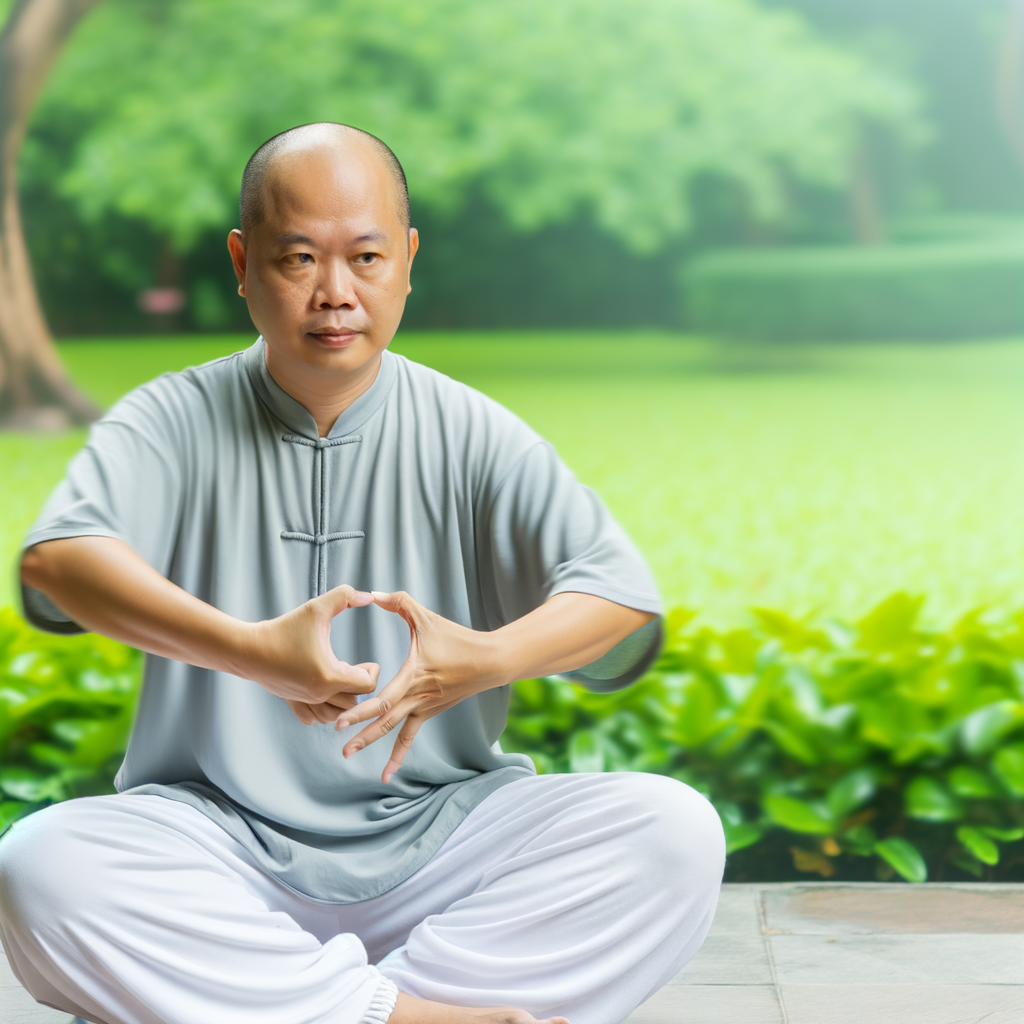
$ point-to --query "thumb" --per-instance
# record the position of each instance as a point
(335, 601)
(399, 602)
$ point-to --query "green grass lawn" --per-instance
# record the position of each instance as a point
(797, 477)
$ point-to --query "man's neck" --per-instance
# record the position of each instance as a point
(324, 396)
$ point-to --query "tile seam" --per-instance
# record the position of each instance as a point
(766, 938)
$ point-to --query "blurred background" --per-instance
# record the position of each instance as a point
(756, 267)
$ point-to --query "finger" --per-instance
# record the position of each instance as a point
(335, 601)
(354, 679)
(340, 702)
(401, 604)
(402, 744)
(323, 713)
(366, 711)
(384, 723)
(302, 712)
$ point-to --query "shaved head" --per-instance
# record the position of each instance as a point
(251, 205)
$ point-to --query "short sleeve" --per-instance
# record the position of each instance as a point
(123, 484)
(547, 534)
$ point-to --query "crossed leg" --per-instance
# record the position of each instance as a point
(562, 896)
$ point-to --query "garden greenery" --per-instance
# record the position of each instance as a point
(942, 289)
(870, 750)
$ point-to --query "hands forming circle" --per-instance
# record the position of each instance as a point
(446, 663)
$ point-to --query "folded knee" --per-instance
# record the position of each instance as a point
(682, 834)
(45, 869)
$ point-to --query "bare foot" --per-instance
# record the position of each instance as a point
(410, 1010)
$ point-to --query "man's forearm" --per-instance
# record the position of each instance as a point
(106, 587)
(565, 633)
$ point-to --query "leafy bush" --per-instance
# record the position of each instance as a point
(66, 709)
(941, 290)
(859, 751)
(854, 752)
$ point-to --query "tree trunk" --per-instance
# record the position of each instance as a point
(865, 207)
(35, 392)
(1010, 80)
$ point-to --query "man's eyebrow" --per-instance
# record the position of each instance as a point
(373, 236)
(293, 239)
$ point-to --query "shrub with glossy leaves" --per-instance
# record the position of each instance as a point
(875, 750)
(66, 709)
(865, 751)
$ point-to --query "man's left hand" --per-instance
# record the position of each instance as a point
(446, 663)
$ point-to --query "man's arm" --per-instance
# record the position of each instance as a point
(448, 662)
(106, 587)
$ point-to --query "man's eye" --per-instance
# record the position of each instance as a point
(304, 257)
(366, 258)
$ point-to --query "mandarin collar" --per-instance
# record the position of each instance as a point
(296, 416)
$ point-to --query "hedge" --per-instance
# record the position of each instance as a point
(937, 291)
(879, 749)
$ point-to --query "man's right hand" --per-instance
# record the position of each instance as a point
(106, 587)
(295, 660)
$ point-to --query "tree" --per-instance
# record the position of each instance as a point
(34, 390)
(547, 108)
(550, 107)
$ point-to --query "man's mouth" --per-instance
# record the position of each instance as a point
(336, 337)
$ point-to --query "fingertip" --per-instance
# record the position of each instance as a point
(376, 595)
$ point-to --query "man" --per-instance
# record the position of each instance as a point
(271, 840)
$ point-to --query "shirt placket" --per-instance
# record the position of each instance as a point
(320, 537)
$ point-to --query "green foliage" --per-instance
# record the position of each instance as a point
(950, 290)
(849, 751)
(66, 709)
(551, 108)
(874, 748)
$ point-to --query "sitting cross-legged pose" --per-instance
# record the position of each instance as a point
(337, 560)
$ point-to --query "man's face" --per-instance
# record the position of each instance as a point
(326, 273)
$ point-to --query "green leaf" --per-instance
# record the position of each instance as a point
(927, 800)
(969, 864)
(737, 837)
(1008, 764)
(969, 782)
(851, 791)
(585, 753)
(798, 816)
(696, 721)
(890, 626)
(904, 857)
(1004, 835)
(789, 740)
(861, 840)
(979, 844)
(10, 810)
(982, 730)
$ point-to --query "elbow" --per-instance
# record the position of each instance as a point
(37, 567)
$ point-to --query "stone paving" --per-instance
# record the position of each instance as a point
(820, 954)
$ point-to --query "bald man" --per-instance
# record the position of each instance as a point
(337, 560)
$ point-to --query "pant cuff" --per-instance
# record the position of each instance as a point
(382, 1005)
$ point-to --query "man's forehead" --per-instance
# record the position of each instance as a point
(299, 238)
(328, 183)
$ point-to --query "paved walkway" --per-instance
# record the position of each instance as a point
(820, 954)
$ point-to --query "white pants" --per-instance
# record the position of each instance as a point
(578, 895)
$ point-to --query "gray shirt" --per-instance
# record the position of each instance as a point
(219, 480)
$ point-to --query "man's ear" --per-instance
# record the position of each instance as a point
(236, 246)
(414, 245)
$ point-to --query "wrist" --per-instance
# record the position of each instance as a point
(243, 646)
(497, 658)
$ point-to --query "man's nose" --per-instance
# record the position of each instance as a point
(335, 286)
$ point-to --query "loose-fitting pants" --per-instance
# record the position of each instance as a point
(578, 895)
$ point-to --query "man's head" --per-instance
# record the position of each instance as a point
(325, 248)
